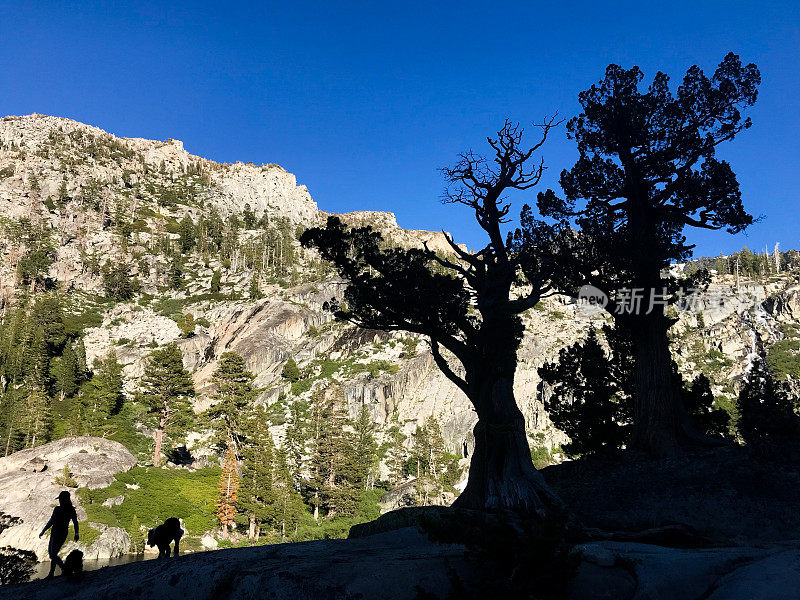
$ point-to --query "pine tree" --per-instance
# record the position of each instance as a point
(228, 492)
(186, 231)
(186, 325)
(647, 171)
(297, 434)
(396, 460)
(254, 291)
(589, 402)
(699, 402)
(256, 495)
(429, 460)
(290, 370)
(233, 395)
(332, 465)
(767, 421)
(102, 396)
(175, 274)
(38, 416)
(166, 390)
(118, 283)
(81, 364)
(289, 505)
(248, 217)
(65, 372)
(216, 282)
(11, 419)
(138, 536)
(365, 449)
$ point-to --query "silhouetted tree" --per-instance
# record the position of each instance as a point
(466, 308)
(590, 399)
(647, 169)
(699, 403)
(767, 421)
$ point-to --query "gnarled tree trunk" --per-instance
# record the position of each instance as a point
(501, 473)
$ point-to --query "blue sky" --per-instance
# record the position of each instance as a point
(363, 101)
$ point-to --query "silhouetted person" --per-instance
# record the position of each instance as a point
(163, 535)
(59, 522)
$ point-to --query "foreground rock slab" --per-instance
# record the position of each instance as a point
(396, 565)
(404, 564)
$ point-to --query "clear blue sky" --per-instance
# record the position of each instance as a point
(364, 100)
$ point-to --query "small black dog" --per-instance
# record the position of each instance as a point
(73, 566)
(163, 535)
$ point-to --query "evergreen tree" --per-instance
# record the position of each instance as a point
(297, 435)
(175, 274)
(233, 396)
(216, 282)
(592, 391)
(767, 420)
(647, 170)
(186, 324)
(466, 308)
(248, 217)
(429, 461)
(39, 252)
(12, 418)
(228, 492)
(65, 372)
(38, 416)
(81, 364)
(214, 229)
(118, 283)
(290, 370)
(254, 291)
(589, 402)
(332, 465)
(63, 193)
(37, 360)
(166, 390)
(138, 535)
(289, 505)
(397, 457)
(186, 231)
(102, 396)
(365, 450)
(256, 496)
(699, 402)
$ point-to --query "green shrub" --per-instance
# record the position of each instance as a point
(162, 493)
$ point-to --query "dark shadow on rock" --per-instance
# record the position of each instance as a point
(527, 556)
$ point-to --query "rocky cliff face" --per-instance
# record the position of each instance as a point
(80, 182)
(30, 481)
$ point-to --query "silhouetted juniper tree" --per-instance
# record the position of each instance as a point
(647, 169)
(465, 306)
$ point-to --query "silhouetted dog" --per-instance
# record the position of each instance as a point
(73, 566)
(163, 535)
